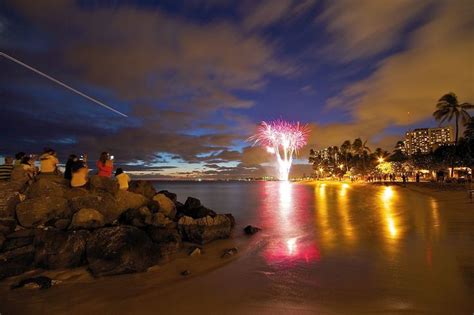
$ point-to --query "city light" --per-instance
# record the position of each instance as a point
(282, 139)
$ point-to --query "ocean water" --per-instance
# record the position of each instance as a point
(338, 248)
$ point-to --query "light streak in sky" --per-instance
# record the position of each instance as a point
(283, 139)
(60, 83)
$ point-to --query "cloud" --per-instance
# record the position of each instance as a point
(366, 27)
(404, 88)
(264, 13)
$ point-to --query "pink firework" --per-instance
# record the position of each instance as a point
(282, 139)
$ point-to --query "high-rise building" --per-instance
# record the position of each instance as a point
(425, 140)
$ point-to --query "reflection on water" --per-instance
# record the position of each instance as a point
(284, 214)
(387, 199)
(381, 249)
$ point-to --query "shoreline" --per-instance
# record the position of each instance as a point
(162, 276)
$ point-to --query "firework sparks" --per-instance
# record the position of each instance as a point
(283, 139)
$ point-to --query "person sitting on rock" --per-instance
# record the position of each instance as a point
(105, 164)
(26, 171)
(68, 167)
(79, 172)
(18, 158)
(6, 169)
(48, 162)
(122, 178)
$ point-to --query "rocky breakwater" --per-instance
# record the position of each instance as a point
(49, 225)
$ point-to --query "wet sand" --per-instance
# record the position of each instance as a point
(325, 248)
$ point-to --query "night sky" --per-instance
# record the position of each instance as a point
(195, 77)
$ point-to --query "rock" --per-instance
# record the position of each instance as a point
(137, 217)
(100, 184)
(76, 192)
(143, 187)
(104, 203)
(7, 225)
(229, 252)
(17, 242)
(21, 233)
(160, 220)
(170, 195)
(165, 205)
(167, 250)
(2, 241)
(251, 230)
(231, 218)
(192, 203)
(204, 230)
(118, 250)
(19, 179)
(128, 200)
(48, 186)
(163, 234)
(9, 198)
(167, 239)
(40, 282)
(87, 218)
(16, 261)
(40, 210)
(60, 249)
(62, 224)
(193, 208)
(195, 252)
(185, 272)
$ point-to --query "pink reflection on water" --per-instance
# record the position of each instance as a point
(284, 210)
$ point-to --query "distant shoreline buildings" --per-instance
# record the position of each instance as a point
(426, 140)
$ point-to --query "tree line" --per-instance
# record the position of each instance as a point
(356, 158)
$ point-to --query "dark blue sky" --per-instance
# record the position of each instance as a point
(196, 77)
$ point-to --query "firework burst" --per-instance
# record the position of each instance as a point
(283, 139)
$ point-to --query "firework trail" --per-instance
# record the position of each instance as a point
(283, 139)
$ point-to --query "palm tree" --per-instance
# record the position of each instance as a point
(345, 150)
(448, 108)
(469, 131)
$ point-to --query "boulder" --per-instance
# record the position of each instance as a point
(19, 179)
(193, 208)
(160, 220)
(87, 218)
(205, 230)
(16, 261)
(41, 210)
(120, 249)
(231, 218)
(2, 241)
(12, 243)
(167, 239)
(137, 217)
(170, 195)
(163, 234)
(48, 186)
(129, 200)
(143, 187)
(100, 184)
(165, 205)
(60, 249)
(9, 198)
(251, 230)
(7, 225)
(62, 224)
(76, 192)
(104, 203)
